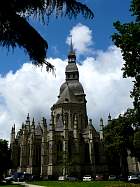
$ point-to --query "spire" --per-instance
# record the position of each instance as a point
(109, 118)
(33, 126)
(13, 129)
(33, 122)
(101, 129)
(28, 119)
(71, 46)
(101, 123)
(71, 69)
(13, 134)
(71, 55)
(90, 126)
(43, 123)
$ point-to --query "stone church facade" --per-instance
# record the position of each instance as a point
(69, 145)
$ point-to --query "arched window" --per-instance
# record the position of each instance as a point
(66, 117)
(59, 122)
(57, 117)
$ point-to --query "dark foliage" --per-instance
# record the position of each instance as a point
(15, 29)
(4, 157)
(127, 39)
(118, 138)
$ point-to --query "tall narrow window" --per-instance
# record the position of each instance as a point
(59, 151)
(87, 156)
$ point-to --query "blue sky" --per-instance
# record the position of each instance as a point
(26, 89)
(106, 12)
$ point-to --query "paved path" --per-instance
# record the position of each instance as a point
(31, 185)
(26, 185)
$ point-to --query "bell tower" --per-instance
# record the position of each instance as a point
(71, 99)
(72, 72)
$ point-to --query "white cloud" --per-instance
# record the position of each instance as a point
(82, 39)
(31, 90)
(35, 91)
(107, 92)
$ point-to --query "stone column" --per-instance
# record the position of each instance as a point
(91, 148)
(23, 152)
(44, 150)
(51, 148)
(65, 145)
(76, 157)
(32, 148)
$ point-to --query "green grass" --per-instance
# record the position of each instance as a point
(84, 184)
(78, 184)
(10, 185)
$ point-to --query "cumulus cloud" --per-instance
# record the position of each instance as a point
(107, 92)
(32, 90)
(82, 39)
(29, 90)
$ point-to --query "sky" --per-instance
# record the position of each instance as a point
(27, 89)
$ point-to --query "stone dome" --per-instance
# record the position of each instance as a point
(73, 85)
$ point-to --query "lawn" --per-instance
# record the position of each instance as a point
(9, 185)
(77, 184)
(85, 184)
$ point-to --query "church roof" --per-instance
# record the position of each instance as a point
(71, 91)
(74, 86)
(67, 96)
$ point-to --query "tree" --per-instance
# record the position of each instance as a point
(118, 138)
(4, 157)
(136, 143)
(14, 16)
(127, 39)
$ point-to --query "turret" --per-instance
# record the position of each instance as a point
(27, 123)
(28, 120)
(90, 129)
(109, 119)
(71, 72)
(44, 149)
(44, 125)
(13, 134)
(90, 123)
(101, 129)
(33, 127)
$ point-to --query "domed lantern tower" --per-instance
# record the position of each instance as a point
(71, 99)
(69, 116)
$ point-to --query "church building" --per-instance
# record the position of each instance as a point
(69, 145)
